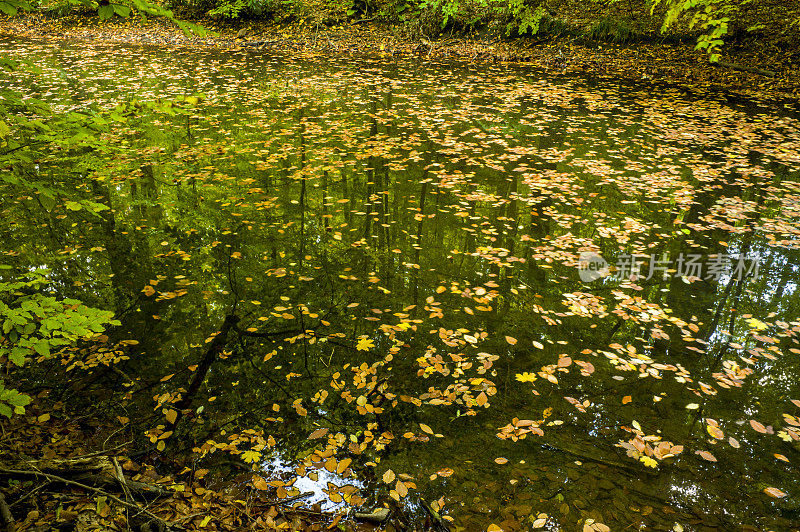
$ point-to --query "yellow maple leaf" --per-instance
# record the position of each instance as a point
(251, 456)
(649, 462)
(365, 344)
(526, 377)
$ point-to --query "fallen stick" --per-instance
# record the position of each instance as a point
(281, 502)
(740, 68)
(56, 478)
(97, 470)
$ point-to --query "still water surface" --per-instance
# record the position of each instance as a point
(402, 240)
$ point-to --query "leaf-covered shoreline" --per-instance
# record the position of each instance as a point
(657, 62)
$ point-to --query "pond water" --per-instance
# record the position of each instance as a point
(419, 257)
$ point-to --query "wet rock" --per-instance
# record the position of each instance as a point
(377, 515)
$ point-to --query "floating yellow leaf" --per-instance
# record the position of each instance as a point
(649, 462)
(756, 324)
(401, 488)
(365, 344)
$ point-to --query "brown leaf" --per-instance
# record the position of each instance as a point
(319, 433)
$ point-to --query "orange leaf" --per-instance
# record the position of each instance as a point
(511, 340)
(343, 465)
(706, 456)
(481, 399)
(627, 399)
(774, 492)
(319, 433)
(758, 427)
(501, 460)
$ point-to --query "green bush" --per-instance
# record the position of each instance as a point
(611, 29)
(713, 17)
(241, 8)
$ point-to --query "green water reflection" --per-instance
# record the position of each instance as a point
(436, 210)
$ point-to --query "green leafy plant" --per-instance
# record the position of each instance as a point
(11, 7)
(35, 324)
(713, 17)
(240, 8)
